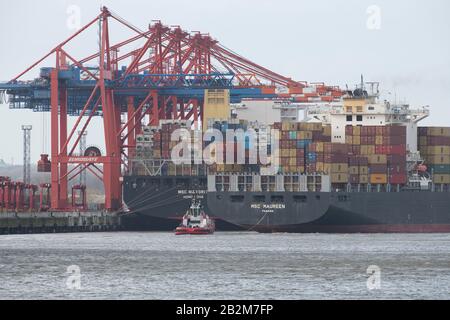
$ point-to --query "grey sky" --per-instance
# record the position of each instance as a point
(320, 40)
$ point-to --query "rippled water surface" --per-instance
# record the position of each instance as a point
(224, 266)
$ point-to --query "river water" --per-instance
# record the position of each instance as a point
(224, 266)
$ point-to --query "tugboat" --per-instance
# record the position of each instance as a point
(196, 221)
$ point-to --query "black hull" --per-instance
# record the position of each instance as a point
(160, 208)
(145, 222)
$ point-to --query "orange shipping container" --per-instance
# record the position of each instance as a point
(378, 178)
(268, 90)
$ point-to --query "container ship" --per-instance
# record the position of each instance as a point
(357, 165)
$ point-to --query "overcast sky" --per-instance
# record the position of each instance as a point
(406, 47)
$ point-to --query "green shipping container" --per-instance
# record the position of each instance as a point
(439, 169)
(292, 135)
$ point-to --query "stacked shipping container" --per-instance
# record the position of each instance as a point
(222, 164)
(434, 147)
(155, 144)
(302, 146)
(371, 154)
(380, 152)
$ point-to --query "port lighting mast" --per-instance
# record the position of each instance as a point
(83, 136)
(27, 154)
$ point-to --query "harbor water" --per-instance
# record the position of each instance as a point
(148, 265)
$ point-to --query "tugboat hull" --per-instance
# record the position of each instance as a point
(300, 212)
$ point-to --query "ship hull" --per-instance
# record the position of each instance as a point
(161, 208)
(400, 228)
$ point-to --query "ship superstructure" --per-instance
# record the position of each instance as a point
(358, 165)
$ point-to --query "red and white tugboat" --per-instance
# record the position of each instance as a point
(196, 221)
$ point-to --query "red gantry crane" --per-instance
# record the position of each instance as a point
(160, 73)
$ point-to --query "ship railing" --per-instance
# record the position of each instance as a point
(163, 167)
(147, 167)
(255, 182)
